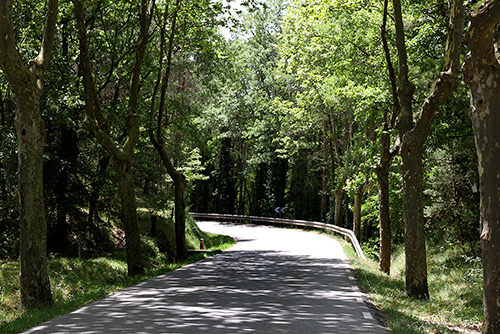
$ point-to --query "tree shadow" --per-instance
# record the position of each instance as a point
(233, 292)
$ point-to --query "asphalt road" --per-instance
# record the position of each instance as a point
(272, 281)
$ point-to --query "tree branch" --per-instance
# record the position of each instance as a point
(94, 121)
(166, 76)
(18, 75)
(405, 88)
(133, 119)
(390, 67)
(447, 80)
(42, 60)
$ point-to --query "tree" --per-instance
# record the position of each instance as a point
(332, 75)
(98, 126)
(27, 83)
(386, 155)
(482, 74)
(156, 132)
(413, 136)
(186, 37)
(245, 118)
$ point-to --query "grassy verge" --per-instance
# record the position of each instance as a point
(455, 284)
(76, 282)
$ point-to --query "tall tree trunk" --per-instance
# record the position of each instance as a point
(260, 189)
(35, 285)
(157, 138)
(413, 216)
(180, 218)
(227, 181)
(94, 192)
(483, 77)
(28, 87)
(358, 197)
(180, 196)
(413, 137)
(339, 196)
(99, 126)
(386, 155)
(357, 215)
(126, 190)
(324, 179)
(382, 171)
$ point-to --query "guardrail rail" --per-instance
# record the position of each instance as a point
(340, 230)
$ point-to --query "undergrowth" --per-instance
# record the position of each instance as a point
(77, 281)
(455, 288)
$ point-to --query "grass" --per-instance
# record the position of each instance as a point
(455, 288)
(77, 282)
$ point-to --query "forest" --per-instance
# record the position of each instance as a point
(119, 116)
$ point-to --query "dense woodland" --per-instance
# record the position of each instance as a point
(357, 113)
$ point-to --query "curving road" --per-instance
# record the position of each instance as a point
(272, 281)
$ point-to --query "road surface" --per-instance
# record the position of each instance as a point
(272, 281)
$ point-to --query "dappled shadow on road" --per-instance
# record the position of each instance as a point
(234, 292)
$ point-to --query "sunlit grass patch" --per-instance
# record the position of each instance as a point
(76, 282)
(455, 288)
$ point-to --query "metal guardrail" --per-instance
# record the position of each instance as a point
(340, 230)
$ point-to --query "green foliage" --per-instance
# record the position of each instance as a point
(452, 208)
(9, 229)
(452, 197)
(293, 102)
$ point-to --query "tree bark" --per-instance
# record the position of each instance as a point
(413, 137)
(180, 218)
(180, 196)
(357, 216)
(413, 216)
(28, 87)
(386, 155)
(126, 190)
(482, 74)
(95, 191)
(34, 278)
(157, 140)
(382, 170)
(358, 197)
(324, 178)
(279, 169)
(339, 196)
